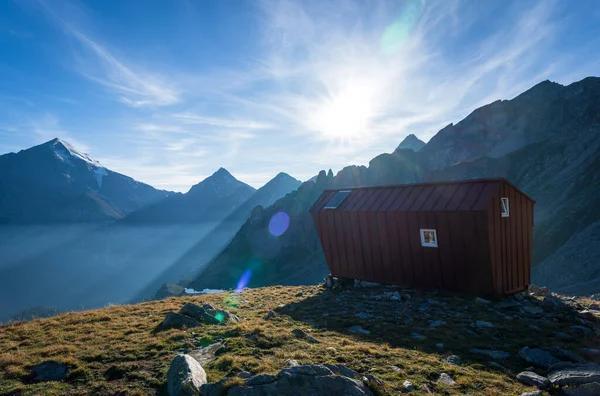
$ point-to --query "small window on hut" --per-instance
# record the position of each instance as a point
(429, 238)
(337, 199)
(505, 208)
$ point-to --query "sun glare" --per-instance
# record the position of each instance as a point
(346, 114)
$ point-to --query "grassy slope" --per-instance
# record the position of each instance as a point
(121, 338)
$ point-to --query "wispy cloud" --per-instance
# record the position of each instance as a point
(189, 118)
(95, 61)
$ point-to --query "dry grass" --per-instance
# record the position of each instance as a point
(115, 350)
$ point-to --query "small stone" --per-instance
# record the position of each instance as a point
(481, 300)
(440, 345)
(532, 310)
(437, 323)
(395, 368)
(405, 297)
(445, 379)
(566, 354)
(291, 363)
(533, 379)
(244, 374)
(358, 330)
(594, 307)
(481, 324)
(454, 360)
(303, 335)
(49, 370)
(269, 315)
(499, 367)
(538, 357)
(562, 334)
(363, 315)
(583, 329)
(494, 354)
(535, 327)
(534, 393)
(554, 303)
(591, 351)
(417, 336)
(408, 386)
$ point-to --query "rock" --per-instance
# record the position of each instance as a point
(359, 283)
(532, 310)
(358, 330)
(207, 354)
(537, 291)
(594, 307)
(583, 329)
(260, 379)
(185, 376)
(295, 381)
(559, 366)
(535, 327)
(509, 304)
(395, 368)
(49, 370)
(591, 351)
(481, 300)
(369, 378)
(445, 379)
(481, 324)
(494, 354)
(566, 355)
(591, 389)
(562, 334)
(573, 376)
(177, 321)
(394, 296)
(533, 379)
(303, 335)
(244, 374)
(534, 393)
(291, 363)
(437, 323)
(538, 357)
(339, 369)
(417, 336)
(499, 367)
(554, 303)
(454, 360)
(269, 315)
(408, 386)
(363, 315)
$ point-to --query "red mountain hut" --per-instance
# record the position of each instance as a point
(471, 236)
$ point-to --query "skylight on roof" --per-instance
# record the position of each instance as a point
(337, 199)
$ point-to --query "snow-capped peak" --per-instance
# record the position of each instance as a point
(65, 152)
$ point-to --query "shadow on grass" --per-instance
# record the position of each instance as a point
(447, 323)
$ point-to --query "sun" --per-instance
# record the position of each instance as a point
(347, 113)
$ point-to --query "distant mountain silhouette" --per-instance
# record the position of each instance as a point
(411, 142)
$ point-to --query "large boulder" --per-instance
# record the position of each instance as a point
(532, 379)
(175, 320)
(576, 375)
(185, 376)
(537, 357)
(49, 370)
(207, 314)
(315, 380)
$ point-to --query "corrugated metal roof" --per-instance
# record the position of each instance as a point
(441, 196)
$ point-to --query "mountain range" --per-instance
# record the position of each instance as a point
(74, 234)
(546, 141)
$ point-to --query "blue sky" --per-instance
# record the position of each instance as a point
(169, 91)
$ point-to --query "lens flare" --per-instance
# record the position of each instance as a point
(243, 282)
(219, 316)
(279, 223)
(396, 34)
